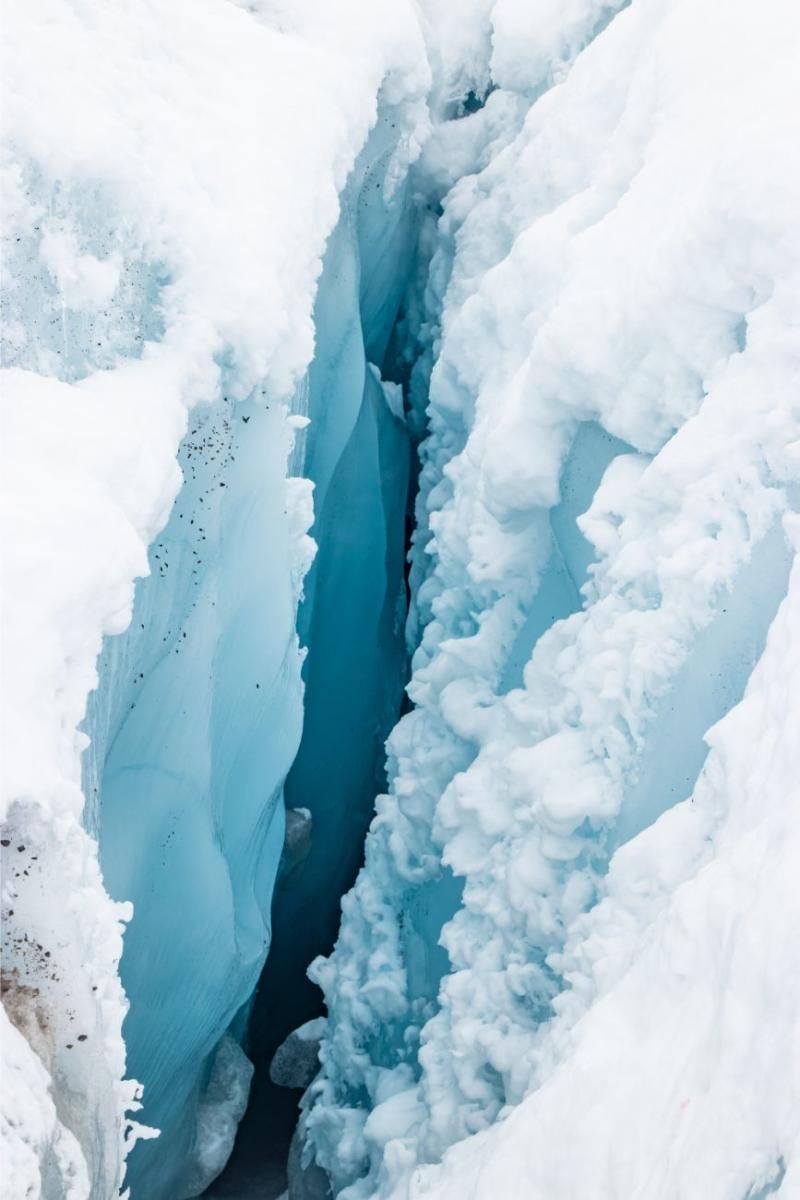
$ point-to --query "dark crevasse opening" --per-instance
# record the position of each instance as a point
(231, 782)
(252, 793)
(358, 452)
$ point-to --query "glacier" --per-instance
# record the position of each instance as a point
(159, 332)
(400, 457)
(357, 454)
(604, 537)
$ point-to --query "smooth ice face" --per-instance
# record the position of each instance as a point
(194, 728)
(165, 242)
(199, 715)
(604, 538)
(356, 452)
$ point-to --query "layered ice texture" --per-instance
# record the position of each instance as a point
(172, 177)
(356, 451)
(568, 964)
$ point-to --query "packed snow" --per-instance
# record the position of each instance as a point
(602, 544)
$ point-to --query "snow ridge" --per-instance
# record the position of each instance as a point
(613, 438)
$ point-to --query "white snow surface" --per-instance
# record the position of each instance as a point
(170, 175)
(605, 533)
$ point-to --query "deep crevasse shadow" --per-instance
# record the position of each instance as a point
(357, 452)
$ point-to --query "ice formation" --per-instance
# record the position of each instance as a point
(356, 451)
(164, 241)
(260, 258)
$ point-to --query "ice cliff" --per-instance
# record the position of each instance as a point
(270, 268)
(172, 178)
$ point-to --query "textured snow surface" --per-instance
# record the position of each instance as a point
(220, 1110)
(571, 948)
(682, 1022)
(171, 174)
(569, 965)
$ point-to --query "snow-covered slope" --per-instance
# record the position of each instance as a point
(602, 546)
(171, 174)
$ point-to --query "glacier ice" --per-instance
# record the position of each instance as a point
(193, 728)
(165, 241)
(272, 266)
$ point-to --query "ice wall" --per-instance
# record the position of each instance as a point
(572, 916)
(602, 546)
(679, 1022)
(171, 178)
(356, 452)
(193, 729)
(199, 714)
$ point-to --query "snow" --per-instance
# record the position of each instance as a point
(681, 1025)
(567, 966)
(163, 245)
(485, 44)
(43, 1137)
(602, 547)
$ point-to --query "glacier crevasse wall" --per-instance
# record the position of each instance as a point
(164, 240)
(609, 361)
(356, 452)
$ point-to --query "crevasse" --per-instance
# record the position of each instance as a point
(564, 946)
(161, 301)
(197, 722)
